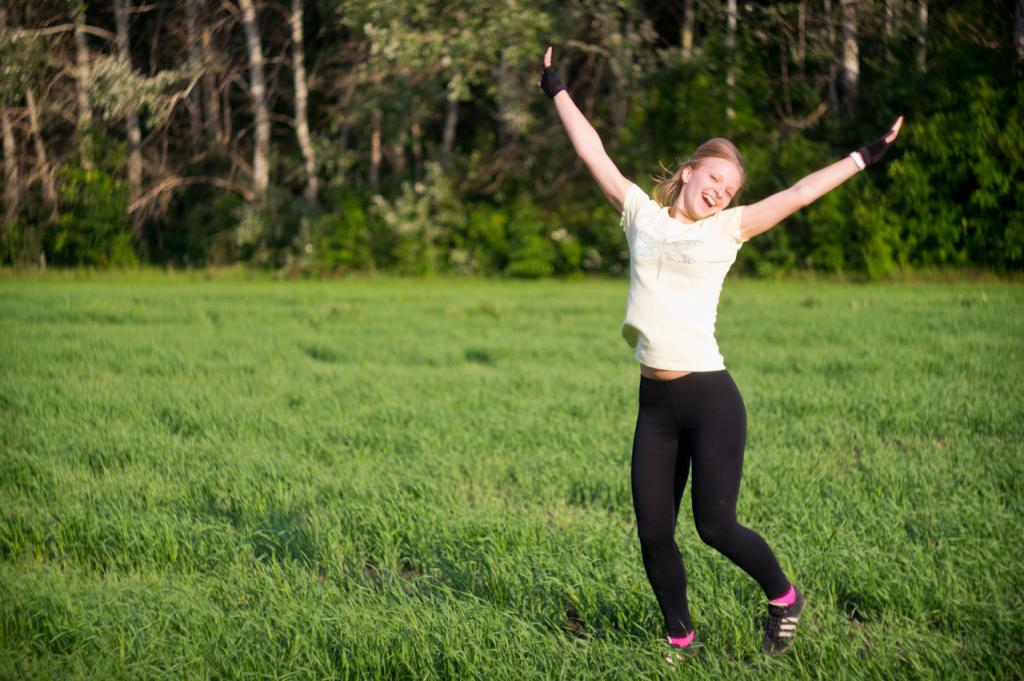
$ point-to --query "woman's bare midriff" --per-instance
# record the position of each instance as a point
(661, 374)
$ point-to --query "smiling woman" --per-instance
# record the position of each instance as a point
(715, 172)
(682, 243)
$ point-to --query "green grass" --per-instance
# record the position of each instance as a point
(408, 479)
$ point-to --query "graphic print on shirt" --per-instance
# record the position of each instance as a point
(649, 247)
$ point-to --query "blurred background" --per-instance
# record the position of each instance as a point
(319, 137)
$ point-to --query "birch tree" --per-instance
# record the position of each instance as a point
(121, 8)
(82, 78)
(851, 53)
(830, 29)
(44, 169)
(215, 124)
(195, 60)
(922, 35)
(1018, 31)
(301, 101)
(258, 95)
(451, 115)
(12, 183)
(892, 12)
(12, 179)
(686, 30)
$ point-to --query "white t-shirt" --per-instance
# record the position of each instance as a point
(676, 272)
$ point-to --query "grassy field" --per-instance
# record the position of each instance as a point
(430, 479)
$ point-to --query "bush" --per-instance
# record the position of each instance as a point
(420, 223)
(340, 237)
(958, 184)
(93, 227)
(531, 253)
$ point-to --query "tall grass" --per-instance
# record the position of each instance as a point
(415, 480)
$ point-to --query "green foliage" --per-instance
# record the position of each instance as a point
(94, 228)
(210, 224)
(341, 237)
(958, 187)
(531, 252)
(117, 90)
(482, 248)
(420, 221)
(399, 72)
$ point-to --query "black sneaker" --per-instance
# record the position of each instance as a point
(782, 621)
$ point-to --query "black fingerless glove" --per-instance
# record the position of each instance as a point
(876, 150)
(550, 83)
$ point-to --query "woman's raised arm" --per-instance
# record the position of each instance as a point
(763, 215)
(585, 139)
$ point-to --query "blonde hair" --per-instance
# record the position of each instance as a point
(669, 184)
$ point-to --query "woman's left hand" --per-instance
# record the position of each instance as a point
(876, 150)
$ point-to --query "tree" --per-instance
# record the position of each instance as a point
(686, 30)
(12, 179)
(195, 61)
(258, 96)
(833, 93)
(922, 35)
(121, 8)
(851, 55)
(1018, 30)
(301, 100)
(82, 78)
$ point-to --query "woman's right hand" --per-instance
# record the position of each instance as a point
(584, 138)
(550, 83)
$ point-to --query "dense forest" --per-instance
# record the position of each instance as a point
(327, 136)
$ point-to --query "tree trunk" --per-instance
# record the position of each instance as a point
(397, 157)
(49, 188)
(12, 191)
(375, 152)
(730, 46)
(417, 149)
(134, 129)
(787, 103)
(503, 80)
(889, 27)
(1018, 31)
(82, 90)
(214, 128)
(301, 100)
(922, 36)
(12, 179)
(226, 129)
(833, 96)
(892, 9)
(851, 57)
(258, 93)
(154, 46)
(451, 120)
(801, 22)
(686, 31)
(195, 61)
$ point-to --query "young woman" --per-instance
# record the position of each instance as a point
(681, 245)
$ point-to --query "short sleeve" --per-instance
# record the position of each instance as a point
(729, 224)
(632, 203)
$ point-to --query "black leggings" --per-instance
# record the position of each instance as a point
(697, 418)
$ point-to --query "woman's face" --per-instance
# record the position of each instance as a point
(708, 188)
